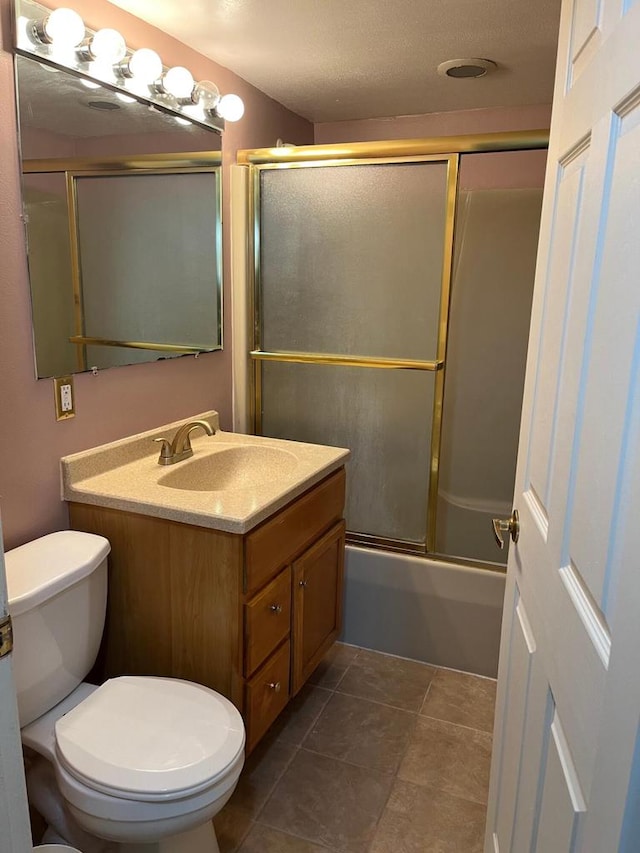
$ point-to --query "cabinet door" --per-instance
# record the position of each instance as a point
(317, 602)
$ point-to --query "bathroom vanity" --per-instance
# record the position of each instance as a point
(235, 584)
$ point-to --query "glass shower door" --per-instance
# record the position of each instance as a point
(353, 262)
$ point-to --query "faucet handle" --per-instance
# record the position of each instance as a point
(165, 450)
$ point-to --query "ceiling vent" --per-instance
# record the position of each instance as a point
(466, 67)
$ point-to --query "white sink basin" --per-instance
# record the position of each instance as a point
(231, 468)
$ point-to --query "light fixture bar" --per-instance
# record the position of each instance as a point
(62, 40)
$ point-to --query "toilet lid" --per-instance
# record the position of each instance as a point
(150, 738)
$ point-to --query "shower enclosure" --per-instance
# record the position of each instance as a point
(392, 299)
(391, 292)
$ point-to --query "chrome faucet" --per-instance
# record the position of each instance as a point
(180, 448)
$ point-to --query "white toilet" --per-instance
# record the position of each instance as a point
(143, 762)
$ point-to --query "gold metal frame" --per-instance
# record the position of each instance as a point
(517, 140)
(144, 164)
(399, 546)
(125, 163)
(258, 355)
(83, 340)
(76, 277)
(396, 151)
(346, 360)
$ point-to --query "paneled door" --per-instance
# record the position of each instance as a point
(566, 766)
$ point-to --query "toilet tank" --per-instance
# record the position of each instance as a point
(57, 589)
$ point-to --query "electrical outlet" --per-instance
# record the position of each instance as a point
(65, 404)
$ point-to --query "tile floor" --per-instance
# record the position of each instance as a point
(376, 755)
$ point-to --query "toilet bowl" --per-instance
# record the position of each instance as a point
(136, 761)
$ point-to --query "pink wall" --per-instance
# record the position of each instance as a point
(119, 401)
(435, 124)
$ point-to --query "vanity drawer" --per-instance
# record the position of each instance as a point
(267, 694)
(267, 620)
(283, 537)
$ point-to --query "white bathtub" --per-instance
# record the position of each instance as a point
(428, 610)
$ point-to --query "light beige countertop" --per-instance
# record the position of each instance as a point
(232, 488)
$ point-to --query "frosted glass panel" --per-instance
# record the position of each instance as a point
(351, 259)
(47, 220)
(382, 416)
(494, 267)
(148, 257)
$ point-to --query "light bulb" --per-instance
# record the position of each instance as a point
(230, 107)
(144, 65)
(177, 81)
(63, 28)
(206, 94)
(107, 46)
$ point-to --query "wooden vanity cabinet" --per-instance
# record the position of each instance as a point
(250, 616)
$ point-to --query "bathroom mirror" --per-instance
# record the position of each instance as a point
(123, 227)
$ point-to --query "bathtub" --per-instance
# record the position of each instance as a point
(464, 526)
(441, 613)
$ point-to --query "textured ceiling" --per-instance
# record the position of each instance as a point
(330, 60)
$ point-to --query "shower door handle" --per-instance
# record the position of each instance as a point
(509, 525)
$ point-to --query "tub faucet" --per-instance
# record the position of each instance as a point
(180, 448)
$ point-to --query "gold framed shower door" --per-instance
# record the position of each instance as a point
(444, 150)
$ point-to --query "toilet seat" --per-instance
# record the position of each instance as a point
(150, 739)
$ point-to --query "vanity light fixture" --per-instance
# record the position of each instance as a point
(61, 39)
(144, 65)
(177, 81)
(106, 46)
(61, 28)
(230, 107)
(206, 94)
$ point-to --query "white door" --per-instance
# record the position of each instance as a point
(15, 835)
(566, 765)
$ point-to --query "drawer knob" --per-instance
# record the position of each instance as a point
(275, 608)
(302, 583)
(275, 686)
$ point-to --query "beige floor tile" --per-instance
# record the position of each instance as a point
(460, 698)
(418, 820)
(393, 681)
(328, 802)
(362, 732)
(301, 713)
(262, 839)
(232, 826)
(332, 668)
(446, 757)
(263, 769)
